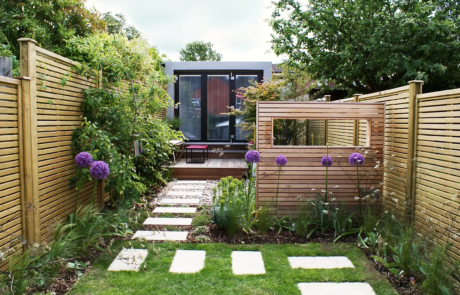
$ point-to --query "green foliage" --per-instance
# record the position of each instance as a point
(50, 23)
(199, 51)
(40, 263)
(291, 85)
(233, 205)
(201, 220)
(437, 275)
(200, 230)
(367, 46)
(116, 25)
(203, 239)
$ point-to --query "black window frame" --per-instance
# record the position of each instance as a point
(204, 98)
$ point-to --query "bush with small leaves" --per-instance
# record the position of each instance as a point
(200, 230)
(201, 219)
(202, 239)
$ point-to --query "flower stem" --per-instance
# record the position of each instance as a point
(277, 189)
(327, 166)
(359, 193)
(94, 191)
(76, 204)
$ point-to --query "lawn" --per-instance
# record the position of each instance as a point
(217, 276)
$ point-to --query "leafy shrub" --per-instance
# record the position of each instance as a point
(201, 220)
(234, 205)
(200, 230)
(264, 220)
(203, 239)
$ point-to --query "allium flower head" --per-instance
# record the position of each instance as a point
(326, 161)
(281, 160)
(356, 159)
(83, 160)
(252, 156)
(99, 170)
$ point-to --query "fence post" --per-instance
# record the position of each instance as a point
(31, 206)
(356, 124)
(327, 98)
(415, 87)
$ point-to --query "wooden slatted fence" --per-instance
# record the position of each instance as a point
(11, 169)
(304, 171)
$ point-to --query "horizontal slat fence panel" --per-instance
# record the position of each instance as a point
(437, 184)
(11, 216)
(303, 176)
(395, 125)
(58, 115)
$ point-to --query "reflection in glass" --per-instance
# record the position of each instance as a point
(218, 99)
(242, 81)
(190, 106)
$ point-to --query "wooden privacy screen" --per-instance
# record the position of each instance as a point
(52, 111)
(11, 188)
(303, 175)
(437, 181)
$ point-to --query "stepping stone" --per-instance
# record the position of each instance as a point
(128, 260)
(174, 210)
(179, 187)
(161, 235)
(188, 261)
(180, 201)
(168, 221)
(191, 182)
(247, 263)
(320, 262)
(179, 193)
(335, 289)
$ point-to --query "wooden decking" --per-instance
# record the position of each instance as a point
(211, 169)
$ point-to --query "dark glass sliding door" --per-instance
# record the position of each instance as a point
(204, 100)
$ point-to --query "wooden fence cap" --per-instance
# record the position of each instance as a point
(416, 81)
(27, 40)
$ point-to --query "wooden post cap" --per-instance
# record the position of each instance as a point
(27, 40)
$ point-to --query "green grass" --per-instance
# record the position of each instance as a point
(217, 276)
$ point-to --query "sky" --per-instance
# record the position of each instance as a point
(237, 28)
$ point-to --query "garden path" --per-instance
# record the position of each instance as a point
(243, 262)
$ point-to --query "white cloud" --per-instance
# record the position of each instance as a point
(237, 28)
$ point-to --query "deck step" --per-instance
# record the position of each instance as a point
(168, 221)
(161, 235)
(180, 193)
(174, 210)
(188, 261)
(180, 187)
(191, 182)
(180, 201)
(335, 288)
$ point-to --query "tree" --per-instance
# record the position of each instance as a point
(199, 51)
(50, 23)
(366, 46)
(116, 24)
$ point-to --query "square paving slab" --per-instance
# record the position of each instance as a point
(247, 263)
(161, 235)
(188, 261)
(320, 262)
(129, 260)
(185, 193)
(191, 182)
(180, 201)
(335, 289)
(174, 210)
(168, 221)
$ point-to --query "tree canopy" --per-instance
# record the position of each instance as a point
(199, 51)
(366, 46)
(48, 22)
(116, 24)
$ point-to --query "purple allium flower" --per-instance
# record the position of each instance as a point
(83, 160)
(252, 156)
(281, 160)
(326, 161)
(356, 159)
(99, 170)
